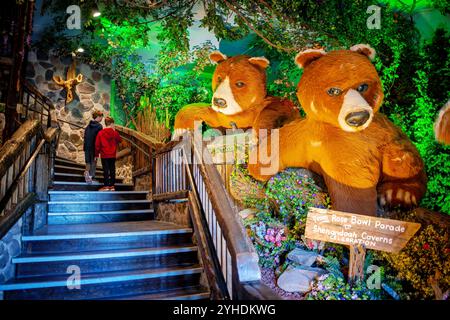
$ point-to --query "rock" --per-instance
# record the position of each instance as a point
(85, 87)
(66, 60)
(4, 259)
(106, 79)
(32, 56)
(53, 86)
(39, 79)
(54, 60)
(70, 146)
(96, 97)
(247, 213)
(298, 279)
(85, 104)
(14, 248)
(303, 257)
(30, 73)
(75, 139)
(105, 96)
(49, 75)
(42, 55)
(96, 76)
(46, 65)
(76, 113)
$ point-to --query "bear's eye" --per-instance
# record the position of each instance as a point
(240, 84)
(334, 92)
(363, 87)
(219, 79)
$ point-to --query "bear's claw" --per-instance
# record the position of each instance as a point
(398, 196)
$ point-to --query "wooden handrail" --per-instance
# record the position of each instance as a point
(146, 139)
(239, 243)
(14, 146)
(228, 241)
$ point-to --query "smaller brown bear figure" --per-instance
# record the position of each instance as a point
(442, 126)
(359, 152)
(240, 98)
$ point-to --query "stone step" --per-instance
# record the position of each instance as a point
(97, 206)
(79, 177)
(105, 236)
(97, 195)
(100, 216)
(102, 285)
(83, 186)
(105, 260)
(75, 170)
(73, 164)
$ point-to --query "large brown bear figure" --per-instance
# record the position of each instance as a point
(358, 151)
(240, 98)
(442, 126)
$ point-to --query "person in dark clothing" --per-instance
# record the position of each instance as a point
(90, 133)
(106, 146)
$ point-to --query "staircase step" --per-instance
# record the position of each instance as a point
(97, 195)
(78, 177)
(106, 236)
(101, 285)
(100, 216)
(190, 293)
(96, 206)
(105, 261)
(83, 186)
(70, 163)
(75, 170)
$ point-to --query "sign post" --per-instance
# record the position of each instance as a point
(359, 232)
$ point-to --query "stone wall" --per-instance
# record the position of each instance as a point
(92, 93)
(10, 247)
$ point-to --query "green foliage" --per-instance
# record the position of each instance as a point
(332, 287)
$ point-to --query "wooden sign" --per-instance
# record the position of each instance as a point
(359, 232)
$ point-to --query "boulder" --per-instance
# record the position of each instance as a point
(247, 213)
(42, 55)
(303, 257)
(70, 146)
(85, 88)
(14, 248)
(46, 65)
(96, 76)
(298, 279)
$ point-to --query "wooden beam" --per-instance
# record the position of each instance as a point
(123, 153)
(141, 171)
(170, 196)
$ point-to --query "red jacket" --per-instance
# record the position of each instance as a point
(106, 143)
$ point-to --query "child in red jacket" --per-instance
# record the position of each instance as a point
(106, 146)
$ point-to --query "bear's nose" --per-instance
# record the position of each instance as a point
(357, 119)
(219, 102)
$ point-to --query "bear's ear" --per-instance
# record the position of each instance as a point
(364, 49)
(217, 56)
(302, 59)
(259, 61)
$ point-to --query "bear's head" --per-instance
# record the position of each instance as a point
(238, 83)
(340, 87)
